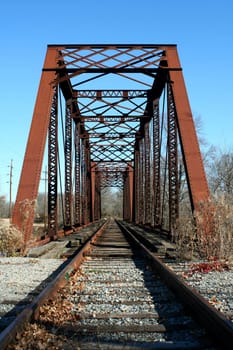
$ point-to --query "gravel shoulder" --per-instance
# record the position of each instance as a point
(21, 279)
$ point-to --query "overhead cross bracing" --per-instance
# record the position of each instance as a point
(109, 115)
(126, 122)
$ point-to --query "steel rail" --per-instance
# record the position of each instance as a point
(215, 323)
(31, 312)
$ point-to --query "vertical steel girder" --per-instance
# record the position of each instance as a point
(86, 183)
(52, 168)
(141, 182)
(31, 170)
(96, 207)
(125, 195)
(172, 160)
(156, 166)
(96, 192)
(136, 197)
(77, 199)
(128, 193)
(68, 167)
(147, 175)
(83, 182)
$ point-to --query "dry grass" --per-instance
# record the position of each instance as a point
(11, 241)
(209, 233)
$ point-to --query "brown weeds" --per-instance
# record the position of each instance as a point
(209, 233)
(11, 241)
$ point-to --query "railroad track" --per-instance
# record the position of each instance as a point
(112, 296)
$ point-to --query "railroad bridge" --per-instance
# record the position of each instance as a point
(111, 116)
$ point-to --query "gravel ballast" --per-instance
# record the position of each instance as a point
(21, 279)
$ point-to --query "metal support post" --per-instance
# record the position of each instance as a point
(147, 175)
(31, 170)
(77, 199)
(136, 184)
(89, 185)
(68, 167)
(172, 161)
(97, 198)
(156, 166)
(52, 168)
(141, 182)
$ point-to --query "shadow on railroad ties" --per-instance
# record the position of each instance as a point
(154, 322)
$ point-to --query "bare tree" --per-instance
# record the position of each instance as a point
(4, 207)
(112, 204)
(221, 175)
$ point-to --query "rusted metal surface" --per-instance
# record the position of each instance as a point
(128, 193)
(52, 168)
(115, 97)
(68, 167)
(156, 201)
(172, 160)
(195, 172)
(77, 178)
(31, 171)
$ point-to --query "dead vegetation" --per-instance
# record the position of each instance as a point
(209, 233)
(11, 241)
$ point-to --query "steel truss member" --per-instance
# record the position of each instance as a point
(52, 167)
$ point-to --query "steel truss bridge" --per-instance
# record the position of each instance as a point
(123, 117)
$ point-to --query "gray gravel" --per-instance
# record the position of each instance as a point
(19, 277)
(215, 286)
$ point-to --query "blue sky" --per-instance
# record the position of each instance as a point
(202, 30)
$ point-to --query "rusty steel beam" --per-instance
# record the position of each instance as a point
(172, 161)
(196, 178)
(128, 193)
(52, 168)
(126, 196)
(105, 70)
(156, 166)
(96, 192)
(89, 185)
(147, 175)
(121, 118)
(99, 94)
(136, 184)
(86, 189)
(77, 195)
(68, 169)
(141, 182)
(23, 213)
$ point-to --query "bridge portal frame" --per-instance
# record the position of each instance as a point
(168, 70)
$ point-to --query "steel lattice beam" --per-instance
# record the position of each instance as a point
(172, 161)
(77, 207)
(52, 168)
(156, 166)
(68, 167)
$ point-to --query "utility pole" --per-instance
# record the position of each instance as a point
(10, 181)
